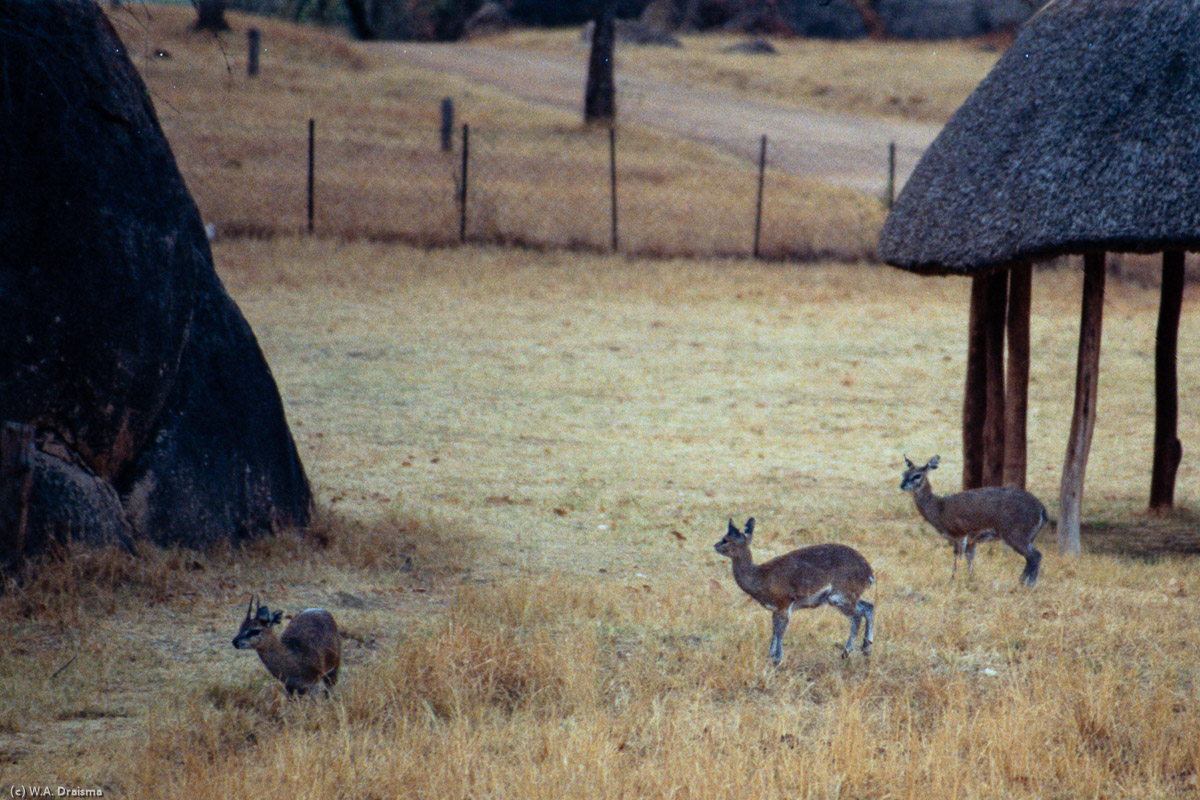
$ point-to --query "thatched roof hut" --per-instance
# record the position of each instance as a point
(1084, 138)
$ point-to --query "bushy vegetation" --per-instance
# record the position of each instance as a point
(427, 19)
(837, 19)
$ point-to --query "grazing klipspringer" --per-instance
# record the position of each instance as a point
(832, 574)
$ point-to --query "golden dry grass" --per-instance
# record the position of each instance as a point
(537, 176)
(522, 460)
(532, 455)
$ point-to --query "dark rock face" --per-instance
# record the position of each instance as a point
(117, 340)
(940, 19)
(221, 463)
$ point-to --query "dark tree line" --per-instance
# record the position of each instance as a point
(447, 19)
(423, 19)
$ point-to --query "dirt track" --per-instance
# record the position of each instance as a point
(841, 149)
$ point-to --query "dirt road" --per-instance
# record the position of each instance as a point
(841, 149)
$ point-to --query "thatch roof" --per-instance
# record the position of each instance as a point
(1084, 137)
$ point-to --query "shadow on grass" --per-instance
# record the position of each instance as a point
(1175, 532)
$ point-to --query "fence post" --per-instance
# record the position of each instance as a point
(612, 182)
(447, 128)
(758, 205)
(462, 189)
(253, 41)
(891, 182)
(312, 137)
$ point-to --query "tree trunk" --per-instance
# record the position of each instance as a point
(1083, 421)
(993, 424)
(1016, 399)
(975, 392)
(360, 19)
(210, 16)
(1167, 448)
(16, 482)
(600, 96)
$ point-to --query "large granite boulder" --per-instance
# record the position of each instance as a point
(154, 411)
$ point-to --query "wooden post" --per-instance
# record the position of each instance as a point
(1016, 397)
(16, 483)
(462, 188)
(1168, 451)
(253, 45)
(762, 168)
(600, 90)
(1083, 421)
(447, 126)
(975, 392)
(312, 163)
(993, 421)
(612, 183)
(891, 182)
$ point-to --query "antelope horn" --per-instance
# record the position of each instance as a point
(249, 607)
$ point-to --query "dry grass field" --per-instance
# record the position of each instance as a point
(537, 176)
(522, 460)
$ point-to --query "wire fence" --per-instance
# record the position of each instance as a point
(573, 188)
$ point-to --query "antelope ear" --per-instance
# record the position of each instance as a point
(263, 614)
(276, 617)
(732, 528)
(933, 462)
(909, 463)
(749, 528)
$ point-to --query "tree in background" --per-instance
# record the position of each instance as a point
(566, 12)
(360, 19)
(445, 20)
(600, 96)
(868, 10)
(210, 15)
(421, 20)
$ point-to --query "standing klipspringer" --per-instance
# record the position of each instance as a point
(806, 578)
(979, 515)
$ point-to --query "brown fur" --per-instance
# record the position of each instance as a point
(979, 515)
(832, 574)
(309, 652)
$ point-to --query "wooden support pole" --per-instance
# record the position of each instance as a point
(1083, 420)
(993, 420)
(16, 483)
(1168, 451)
(1016, 383)
(975, 392)
(891, 176)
